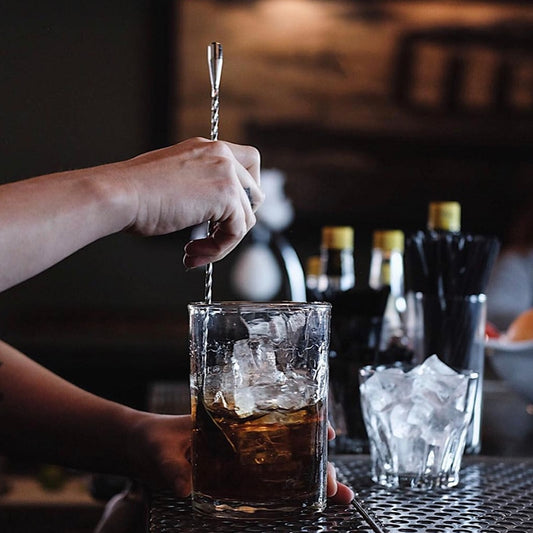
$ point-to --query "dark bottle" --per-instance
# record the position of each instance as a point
(355, 327)
(312, 274)
(337, 272)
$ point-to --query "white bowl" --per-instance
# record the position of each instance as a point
(513, 362)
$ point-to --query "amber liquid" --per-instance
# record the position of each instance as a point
(277, 458)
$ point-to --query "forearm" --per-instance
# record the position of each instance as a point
(45, 219)
(44, 417)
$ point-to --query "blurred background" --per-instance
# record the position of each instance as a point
(368, 110)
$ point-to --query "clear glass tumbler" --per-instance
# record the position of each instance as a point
(259, 384)
(417, 420)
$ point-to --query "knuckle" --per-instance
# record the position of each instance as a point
(252, 221)
(220, 148)
(260, 197)
(241, 232)
(228, 187)
(254, 154)
(224, 168)
(196, 141)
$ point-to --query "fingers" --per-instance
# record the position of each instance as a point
(249, 157)
(183, 479)
(343, 496)
(332, 481)
(247, 163)
(240, 204)
(337, 492)
(223, 238)
(251, 186)
(331, 431)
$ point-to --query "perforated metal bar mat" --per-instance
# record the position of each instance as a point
(495, 495)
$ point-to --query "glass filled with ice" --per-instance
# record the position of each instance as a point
(259, 382)
(417, 420)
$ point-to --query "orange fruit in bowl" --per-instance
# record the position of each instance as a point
(521, 329)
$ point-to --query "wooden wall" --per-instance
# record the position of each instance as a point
(372, 108)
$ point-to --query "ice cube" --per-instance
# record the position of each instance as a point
(257, 326)
(296, 322)
(437, 431)
(254, 361)
(258, 384)
(399, 426)
(385, 388)
(298, 391)
(436, 382)
(434, 365)
(219, 390)
(410, 454)
(273, 327)
(246, 402)
(420, 412)
(264, 445)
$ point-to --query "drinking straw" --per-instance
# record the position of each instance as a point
(449, 264)
(449, 271)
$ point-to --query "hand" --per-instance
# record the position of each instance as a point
(159, 451)
(337, 492)
(193, 182)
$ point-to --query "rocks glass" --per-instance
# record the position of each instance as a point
(417, 420)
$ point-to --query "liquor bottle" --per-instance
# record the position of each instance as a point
(312, 273)
(355, 324)
(386, 269)
(337, 272)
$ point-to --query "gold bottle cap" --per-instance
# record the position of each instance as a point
(313, 266)
(388, 240)
(444, 216)
(337, 237)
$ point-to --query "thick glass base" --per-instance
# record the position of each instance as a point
(225, 508)
(416, 481)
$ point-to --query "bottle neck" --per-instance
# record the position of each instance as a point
(338, 271)
(386, 268)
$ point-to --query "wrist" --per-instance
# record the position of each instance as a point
(117, 199)
(135, 447)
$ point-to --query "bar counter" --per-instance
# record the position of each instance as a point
(495, 495)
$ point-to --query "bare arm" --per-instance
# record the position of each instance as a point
(46, 418)
(45, 219)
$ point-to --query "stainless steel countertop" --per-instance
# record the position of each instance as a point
(495, 495)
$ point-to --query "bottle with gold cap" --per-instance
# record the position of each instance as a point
(444, 216)
(312, 273)
(386, 270)
(386, 264)
(337, 260)
(355, 321)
